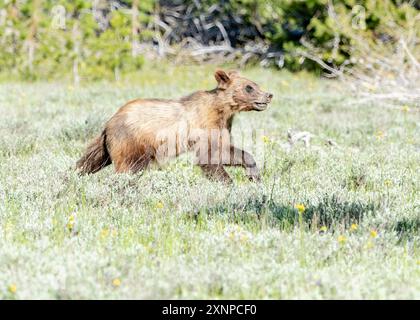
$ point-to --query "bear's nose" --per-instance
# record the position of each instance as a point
(269, 96)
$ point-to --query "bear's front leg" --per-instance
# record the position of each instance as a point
(212, 167)
(216, 172)
(244, 159)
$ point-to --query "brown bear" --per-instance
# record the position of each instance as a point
(152, 130)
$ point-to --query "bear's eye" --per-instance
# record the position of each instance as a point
(249, 89)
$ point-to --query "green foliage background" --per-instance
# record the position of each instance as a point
(35, 44)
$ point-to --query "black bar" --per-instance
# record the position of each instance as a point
(212, 309)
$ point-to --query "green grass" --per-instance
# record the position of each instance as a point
(170, 233)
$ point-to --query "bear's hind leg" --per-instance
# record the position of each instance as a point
(134, 161)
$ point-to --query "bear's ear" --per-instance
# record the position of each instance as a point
(233, 73)
(222, 78)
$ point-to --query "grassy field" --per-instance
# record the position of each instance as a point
(170, 233)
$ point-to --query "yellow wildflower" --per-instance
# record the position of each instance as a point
(104, 233)
(116, 282)
(341, 239)
(323, 229)
(265, 139)
(369, 245)
(159, 205)
(373, 233)
(379, 134)
(12, 288)
(354, 227)
(405, 108)
(71, 222)
(388, 182)
(300, 207)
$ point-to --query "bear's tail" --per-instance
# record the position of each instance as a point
(96, 156)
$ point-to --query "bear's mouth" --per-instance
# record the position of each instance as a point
(260, 106)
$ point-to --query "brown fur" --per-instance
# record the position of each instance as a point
(132, 137)
(96, 156)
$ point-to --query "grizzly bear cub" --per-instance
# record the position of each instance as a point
(152, 130)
